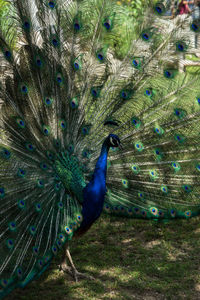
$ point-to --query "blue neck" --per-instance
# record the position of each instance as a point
(100, 170)
(94, 192)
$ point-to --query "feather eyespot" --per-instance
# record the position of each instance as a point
(136, 210)
(7, 54)
(164, 189)
(135, 63)
(68, 230)
(30, 147)
(58, 243)
(159, 8)
(195, 25)
(79, 218)
(198, 167)
(35, 250)
(44, 166)
(60, 205)
(5, 153)
(141, 195)
(107, 23)
(20, 123)
(46, 130)
(54, 250)
(125, 183)
(74, 102)
(76, 26)
(38, 207)
(52, 4)
(26, 25)
(76, 66)
(50, 155)
(143, 213)
(187, 188)
(48, 101)
(32, 230)
(57, 188)
(181, 46)
(188, 213)
(38, 62)
(12, 226)
(135, 168)
(40, 183)
(55, 41)
(19, 272)
(21, 204)
(62, 124)
(4, 283)
(100, 57)
(154, 211)
(10, 243)
(21, 173)
(40, 263)
(2, 192)
(139, 146)
(148, 92)
(62, 237)
(24, 89)
(173, 213)
(57, 143)
(129, 210)
(161, 213)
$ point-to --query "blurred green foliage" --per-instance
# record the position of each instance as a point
(6, 23)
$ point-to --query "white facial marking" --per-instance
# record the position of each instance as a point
(112, 142)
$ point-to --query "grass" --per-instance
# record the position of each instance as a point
(130, 259)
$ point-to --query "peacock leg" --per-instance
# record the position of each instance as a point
(63, 265)
(76, 274)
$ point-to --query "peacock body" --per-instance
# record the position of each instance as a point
(69, 104)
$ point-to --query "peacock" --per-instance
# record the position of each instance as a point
(87, 127)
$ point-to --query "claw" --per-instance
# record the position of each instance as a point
(82, 275)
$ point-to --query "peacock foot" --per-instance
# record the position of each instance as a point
(64, 268)
(78, 275)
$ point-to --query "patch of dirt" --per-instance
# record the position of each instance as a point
(152, 244)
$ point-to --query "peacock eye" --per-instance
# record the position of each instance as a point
(55, 42)
(135, 62)
(107, 24)
(180, 47)
(7, 54)
(24, 89)
(145, 36)
(39, 62)
(76, 66)
(76, 26)
(27, 25)
(51, 4)
(158, 9)
(100, 56)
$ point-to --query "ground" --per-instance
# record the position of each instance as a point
(130, 259)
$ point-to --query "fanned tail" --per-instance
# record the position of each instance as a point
(65, 92)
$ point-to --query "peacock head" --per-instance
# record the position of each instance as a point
(113, 140)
